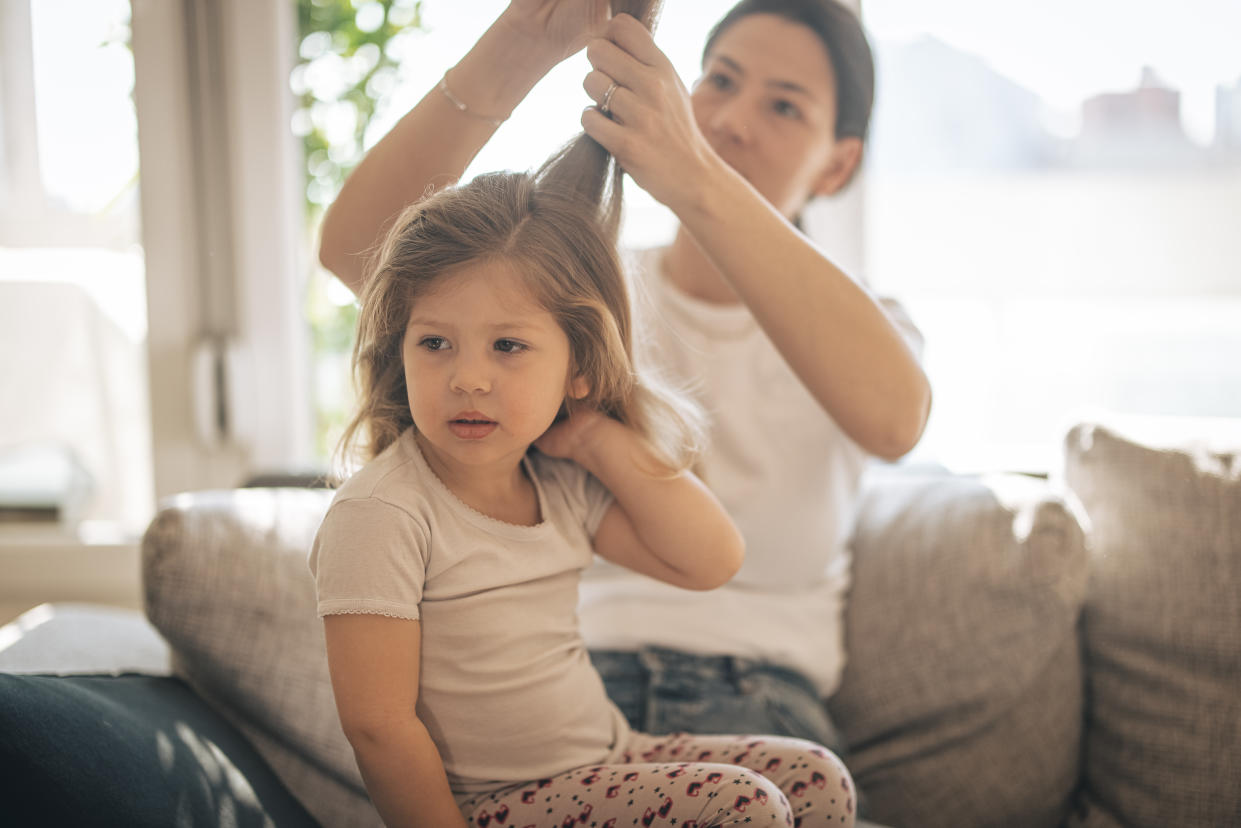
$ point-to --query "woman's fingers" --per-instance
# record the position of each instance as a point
(566, 23)
(635, 39)
(603, 91)
(596, 84)
(613, 61)
(609, 133)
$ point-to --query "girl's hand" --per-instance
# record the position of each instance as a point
(651, 131)
(567, 438)
(560, 26)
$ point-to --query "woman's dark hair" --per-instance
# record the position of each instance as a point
(847, 47)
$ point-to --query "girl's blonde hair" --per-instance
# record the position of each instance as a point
(558, 228)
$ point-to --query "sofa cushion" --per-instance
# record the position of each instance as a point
(1161, 630)
(226, 582)
(961, 699)
(129, 750)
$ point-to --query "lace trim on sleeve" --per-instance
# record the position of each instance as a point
(386, 614)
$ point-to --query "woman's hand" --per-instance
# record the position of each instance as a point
(568, 436)
(561, 26)
(651, 130)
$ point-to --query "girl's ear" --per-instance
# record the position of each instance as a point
(846, 156)
(579, 387)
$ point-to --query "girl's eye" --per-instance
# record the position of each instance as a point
(509, 346)
(433, 343)
(719, 81)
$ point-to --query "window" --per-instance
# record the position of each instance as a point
(1054, 189)
(76, 426)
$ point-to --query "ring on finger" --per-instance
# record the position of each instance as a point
(605, 106)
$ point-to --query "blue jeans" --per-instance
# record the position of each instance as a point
(669, 691)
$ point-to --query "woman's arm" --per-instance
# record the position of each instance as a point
(431, 146)
(830, 330)
(373, 662)
(668, 526)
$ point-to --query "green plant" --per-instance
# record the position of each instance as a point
(344, 72)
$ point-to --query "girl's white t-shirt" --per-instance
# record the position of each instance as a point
(787, 474)
(506, 687)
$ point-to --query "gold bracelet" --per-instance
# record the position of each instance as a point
(461, 107)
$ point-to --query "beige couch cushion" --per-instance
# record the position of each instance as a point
(961, 699)
(1162, 631)
(226, 583)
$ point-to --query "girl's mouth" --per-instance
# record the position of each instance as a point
(471, 428)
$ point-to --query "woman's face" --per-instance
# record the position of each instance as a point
(766, 102)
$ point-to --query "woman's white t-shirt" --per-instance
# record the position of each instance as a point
(787, 474)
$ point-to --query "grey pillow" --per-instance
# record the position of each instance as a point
(226, 583)
(961, 699)
(1162, 631)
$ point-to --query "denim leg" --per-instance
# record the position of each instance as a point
(627, 683)
(667, 691)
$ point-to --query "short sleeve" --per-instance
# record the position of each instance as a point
(587, 498)
(369, 557)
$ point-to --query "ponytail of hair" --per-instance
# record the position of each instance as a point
(583, 169)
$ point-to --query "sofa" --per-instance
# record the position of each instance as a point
(1024, 651)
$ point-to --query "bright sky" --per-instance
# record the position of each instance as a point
(1068, 50)
(1065, 50)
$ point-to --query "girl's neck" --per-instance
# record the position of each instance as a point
(689, 269)
(504, 492)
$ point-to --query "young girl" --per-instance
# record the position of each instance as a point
(496, 317)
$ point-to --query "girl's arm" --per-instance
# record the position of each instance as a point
(668, 526)
(432, 145)
(373, 662)
(830, 330)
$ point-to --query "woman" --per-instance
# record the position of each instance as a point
(803, 373)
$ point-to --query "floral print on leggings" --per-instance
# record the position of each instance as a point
(684, 781)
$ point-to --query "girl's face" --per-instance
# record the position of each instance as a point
(767, 104)
(486, 369)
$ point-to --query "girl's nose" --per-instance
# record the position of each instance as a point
(470, 376)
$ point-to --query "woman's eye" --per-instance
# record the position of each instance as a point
(786, 109)
(509, 346)
(433, 343)
(719, 81)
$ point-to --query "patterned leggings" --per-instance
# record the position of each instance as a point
(685, 781)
